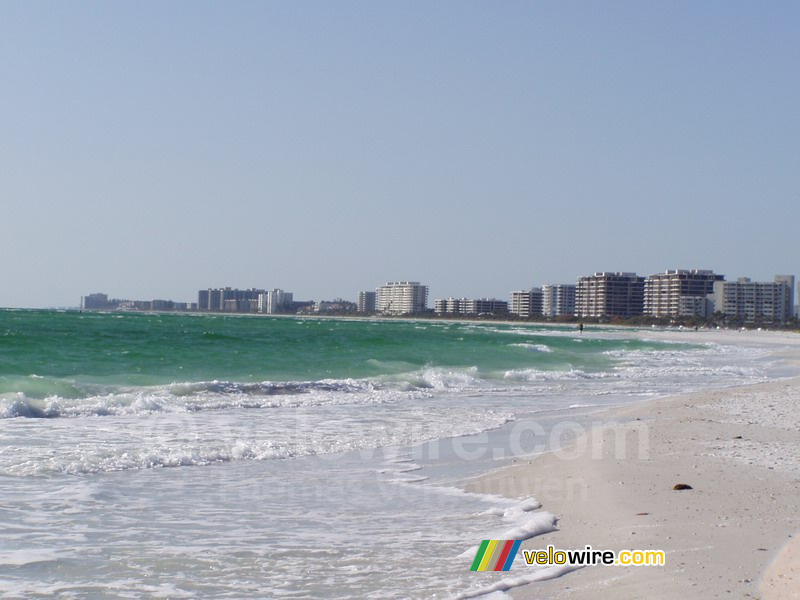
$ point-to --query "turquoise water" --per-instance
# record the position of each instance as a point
(50, 353)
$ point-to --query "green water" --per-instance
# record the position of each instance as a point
(46, 352)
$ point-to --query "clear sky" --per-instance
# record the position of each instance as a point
(150, 149)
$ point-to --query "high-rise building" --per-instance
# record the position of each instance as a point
(401, 298)
(213, 299)
(274, 302)
(203, 300)
(789, 281)
(366, 302)
(96, 302)
(558, 299)
(679, 293)
(526, 303)
(608, 294)
(755, 302)
(228, 299)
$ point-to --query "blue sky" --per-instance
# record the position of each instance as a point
(149, 149)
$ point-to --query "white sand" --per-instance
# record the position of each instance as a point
(736, 534)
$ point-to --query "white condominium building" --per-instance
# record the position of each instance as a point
(274, 302)
(558, 299)
(401, 298)
(450, 306)
(609, 295)
(526, 303)
(464, 306)
(755, 302)
(679, 293)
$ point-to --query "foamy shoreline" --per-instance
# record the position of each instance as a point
(734, 534)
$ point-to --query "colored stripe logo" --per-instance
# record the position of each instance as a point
(495, 555)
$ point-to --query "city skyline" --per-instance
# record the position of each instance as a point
(667, 293)
(330, 146)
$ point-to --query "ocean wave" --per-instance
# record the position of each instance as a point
(439, 378)
(197, 397)
(188, 397)
(652, 367)
(21, 406)
(537, 375)
(269, 388)
(534, 347)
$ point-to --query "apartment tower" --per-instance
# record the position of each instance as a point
(608, 294)
(558, 299)
(401, 298)
(679, 293)
(755, 302)
(366, 302)
(526, 304)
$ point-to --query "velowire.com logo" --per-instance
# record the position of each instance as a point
(495, 555)
(498, 555)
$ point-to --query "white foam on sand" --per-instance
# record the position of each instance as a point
(519, 520)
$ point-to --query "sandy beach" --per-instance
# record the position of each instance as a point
(734, 534)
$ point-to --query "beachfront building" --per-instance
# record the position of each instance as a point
(526, 303)
(558, 299)
(275, 302)
(366, 302)
(203, 300)
(96, 301)
(797, 306)
(789, 281)
(487, 306)
(102, 302)
(449, 306)
(464, 306)
(228, 300)
(401, 298)
(337, 306)
(609, 294)
(679, 293)
(755, 302)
